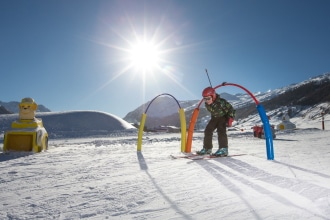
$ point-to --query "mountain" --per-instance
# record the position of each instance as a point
(230, 97)
(313, 91)
(305, 99)
(13, 107)
(3, 110)
(162, 109)
(301, 95)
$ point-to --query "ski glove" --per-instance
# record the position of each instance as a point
(230, 122)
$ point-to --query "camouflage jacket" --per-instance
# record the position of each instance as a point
(220, 108)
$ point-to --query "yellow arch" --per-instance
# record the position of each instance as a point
(142, 122)
(182, 123)
(183, 129)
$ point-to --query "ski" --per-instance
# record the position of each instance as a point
(206, 157)
(184, 156)
(202, 157)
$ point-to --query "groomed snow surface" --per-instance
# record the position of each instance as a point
(105, 178)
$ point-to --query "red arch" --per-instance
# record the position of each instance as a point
(239, 86)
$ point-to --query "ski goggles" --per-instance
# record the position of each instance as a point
(207, 98)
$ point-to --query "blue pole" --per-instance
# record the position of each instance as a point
(268, 132)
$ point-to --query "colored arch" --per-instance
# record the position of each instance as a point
(262, 114)
(182, 122)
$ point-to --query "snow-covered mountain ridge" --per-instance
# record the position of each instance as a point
(301, 101)
(242, 99)
(164, 111)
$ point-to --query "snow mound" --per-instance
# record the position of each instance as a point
(76, 123)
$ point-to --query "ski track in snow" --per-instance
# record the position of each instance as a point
(106, 178)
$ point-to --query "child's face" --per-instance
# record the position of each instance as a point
(208, 100)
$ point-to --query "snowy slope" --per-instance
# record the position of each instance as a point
(106, 178)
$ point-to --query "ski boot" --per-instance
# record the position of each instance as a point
(221, 152)
(204, 151)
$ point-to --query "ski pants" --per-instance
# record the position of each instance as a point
(218, 123)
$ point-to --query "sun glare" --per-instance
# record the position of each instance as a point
(144, 56)
(147, 57)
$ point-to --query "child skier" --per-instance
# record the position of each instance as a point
(222, 116)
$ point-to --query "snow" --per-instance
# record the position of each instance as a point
(104, 177)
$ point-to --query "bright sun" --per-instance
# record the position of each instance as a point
(144, 56)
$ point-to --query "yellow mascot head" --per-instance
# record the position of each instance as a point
(27, 109)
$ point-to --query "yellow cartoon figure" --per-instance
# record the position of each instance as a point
(28, 132)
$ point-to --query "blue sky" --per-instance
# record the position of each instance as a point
(78, 54)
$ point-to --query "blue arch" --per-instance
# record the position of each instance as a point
(264, 119)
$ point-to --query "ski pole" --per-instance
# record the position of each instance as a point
(208, 77)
